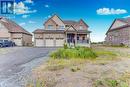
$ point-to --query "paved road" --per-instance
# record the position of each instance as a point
(16, 64)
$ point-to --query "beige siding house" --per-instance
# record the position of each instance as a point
(56, 32)
(119, 32)
(9, 30)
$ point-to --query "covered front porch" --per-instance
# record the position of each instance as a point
(77, 39)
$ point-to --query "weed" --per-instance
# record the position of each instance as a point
(80, 52)
(75, 69)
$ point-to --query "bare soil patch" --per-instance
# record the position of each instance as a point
(105, 71)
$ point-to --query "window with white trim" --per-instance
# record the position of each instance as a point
(61, 27)
(50, 26)
(80, 27)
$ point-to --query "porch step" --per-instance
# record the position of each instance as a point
(71, 45)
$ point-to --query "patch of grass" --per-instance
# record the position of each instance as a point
(121, 81)
(73, 56)
(37, 83)
(105, 56)
(110, 83)
(105, 53)
(78, 52)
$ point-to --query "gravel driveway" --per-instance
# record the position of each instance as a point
(16, 64)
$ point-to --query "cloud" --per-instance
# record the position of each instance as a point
(32, 22)
(127, 16)
(110, 11)
(47, 6)
(49, 16)
(25, 16)
(20, 8)
(22, 24)
(28, 1)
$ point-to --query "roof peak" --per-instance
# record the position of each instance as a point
(1, 17)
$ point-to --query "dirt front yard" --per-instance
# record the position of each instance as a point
(110, 69)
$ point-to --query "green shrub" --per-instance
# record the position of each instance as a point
(78, 52)
(112, 83)
(65, 46)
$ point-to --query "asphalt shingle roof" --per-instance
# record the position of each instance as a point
(12, 26)
(69, 22)
(126, 20)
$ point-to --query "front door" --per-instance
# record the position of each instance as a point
(70, 38)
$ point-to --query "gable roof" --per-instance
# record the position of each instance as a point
(74, 23)
(69, 22)
(71, 27)
(51, 18)
(81, 20)
(12, 26)
(125, 20)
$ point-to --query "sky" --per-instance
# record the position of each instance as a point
(98, 14)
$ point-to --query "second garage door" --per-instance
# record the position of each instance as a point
(39, 42)
(49, 42)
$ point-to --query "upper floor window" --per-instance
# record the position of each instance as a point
(80, 27)
(61, 27)
(66, 25)
(50, 26)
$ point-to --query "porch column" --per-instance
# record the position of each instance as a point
(76, 38)
(88, 36)
(66, 37)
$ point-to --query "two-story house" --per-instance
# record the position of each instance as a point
(56, 32)
(119, 32)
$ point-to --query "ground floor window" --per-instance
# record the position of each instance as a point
(83, 38)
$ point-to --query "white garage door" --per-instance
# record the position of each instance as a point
(59, 42)
(39, 42)
(18, 41)
(49, 42)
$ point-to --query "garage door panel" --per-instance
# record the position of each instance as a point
(59, 42)
(17, 41)
(39, 42)
(50, 42)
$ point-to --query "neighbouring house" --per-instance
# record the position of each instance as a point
(56, 32)
(9, 30)
(119, 32)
